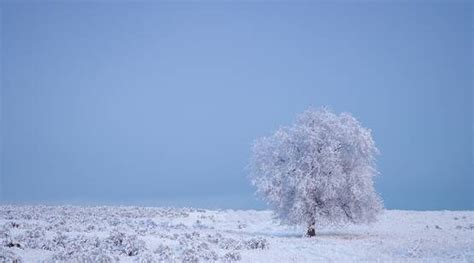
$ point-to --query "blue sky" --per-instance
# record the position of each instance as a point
(158, 103)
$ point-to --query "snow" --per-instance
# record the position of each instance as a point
(145, 234)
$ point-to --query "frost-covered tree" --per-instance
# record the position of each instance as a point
(318, 171)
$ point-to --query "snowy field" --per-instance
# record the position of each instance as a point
(140, 234)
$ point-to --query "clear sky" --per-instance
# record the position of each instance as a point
(158, 103)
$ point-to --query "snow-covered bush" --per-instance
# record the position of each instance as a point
(82, 256)
(232, 256)
(230, 244)
(164, 253)
(124, 244)
(8, 256)
(257, 243)
(318, 171)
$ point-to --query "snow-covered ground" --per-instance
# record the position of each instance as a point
(142, 234)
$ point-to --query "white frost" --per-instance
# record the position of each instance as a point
(318, 171)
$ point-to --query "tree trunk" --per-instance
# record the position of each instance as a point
(311, 231)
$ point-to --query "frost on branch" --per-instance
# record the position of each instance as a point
(318, 171)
